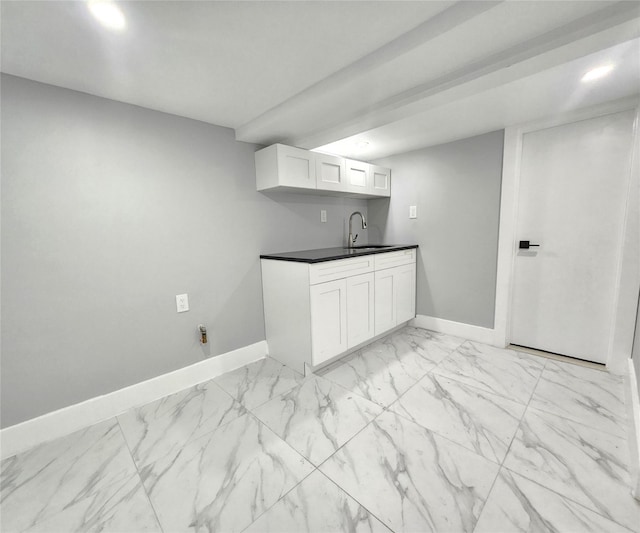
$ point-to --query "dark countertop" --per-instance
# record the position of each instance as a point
(330, 254)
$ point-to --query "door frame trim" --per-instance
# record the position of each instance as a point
(513, 137)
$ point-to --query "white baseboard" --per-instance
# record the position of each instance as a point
(25, 435)
(632, 401)
(458, 329)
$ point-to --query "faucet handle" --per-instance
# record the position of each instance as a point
(355, 238)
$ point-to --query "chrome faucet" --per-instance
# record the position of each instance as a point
(352, 238)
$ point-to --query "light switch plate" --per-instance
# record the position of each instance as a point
(413, 211)
(323, 215)
(182, 302)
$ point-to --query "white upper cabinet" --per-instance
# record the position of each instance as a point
(330, 172)
(358, 177)
(287, 168)
(380, 180)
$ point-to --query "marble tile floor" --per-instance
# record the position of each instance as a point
(417, 432)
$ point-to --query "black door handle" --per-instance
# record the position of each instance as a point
(525, 245)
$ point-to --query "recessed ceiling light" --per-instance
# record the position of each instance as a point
(597, 73)
(108, 14)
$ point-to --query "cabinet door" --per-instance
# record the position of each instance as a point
(328, 320)
(405, 297)
(358, 179)
(296, 167)
(360, 318)
(380, 180)
(385, 308)
(330, 172)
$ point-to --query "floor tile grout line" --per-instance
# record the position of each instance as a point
(448, 439)
(350, 439)
(564, 496)
(529, 406)
(357, 392)
(356, 500)
(259, 422)
(310, 377)
(337, 484)
(527, 409)
(333, 383)
(401, 394)
(567, 417)
(269, 399)
(120, 482)
(278, 500)
(501, 466)
(524, 412)
(135, 464)
(578, 422)
(315, 467)
(476, 388)
(455, 378)
(190, 440)
(412, 422)
(306, 458)
(484, 503)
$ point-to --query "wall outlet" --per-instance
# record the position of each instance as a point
(182, 302)
(323, 215)
(413, 211)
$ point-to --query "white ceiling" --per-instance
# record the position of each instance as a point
(546, 93)
(399, 74)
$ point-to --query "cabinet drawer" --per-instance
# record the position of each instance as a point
(392, 259)
(342, 268)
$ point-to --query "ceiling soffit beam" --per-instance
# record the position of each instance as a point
(534, 55)
(437, 25)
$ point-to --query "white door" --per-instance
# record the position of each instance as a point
(328, 320)
(330, 172)
(360, 319)
(405, 284)
(573, 186)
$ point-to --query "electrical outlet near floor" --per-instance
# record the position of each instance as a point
(182, 302)
(413, 211)
(323, 215)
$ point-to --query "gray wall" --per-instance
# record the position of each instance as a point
(109, 211)
(456, 187)
(635, 355)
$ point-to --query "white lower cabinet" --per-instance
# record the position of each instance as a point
(314, 313)
(328, 320)
(395, 297)
(385, 314)
(405, 292)
(342, 316)
(360, 309)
